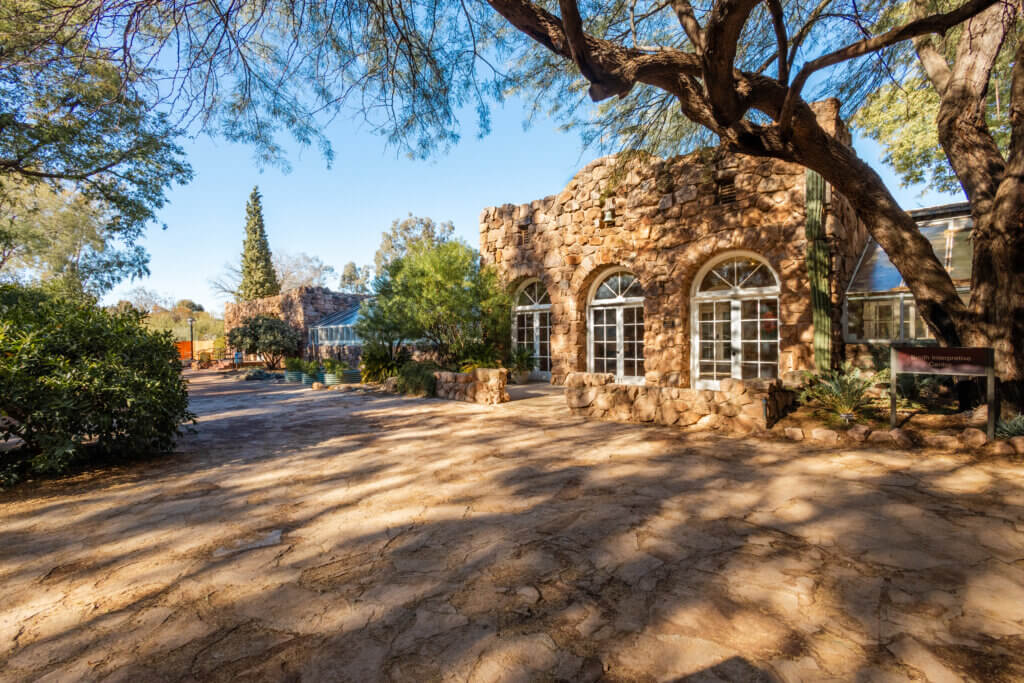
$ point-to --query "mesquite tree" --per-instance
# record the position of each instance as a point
(668, 74)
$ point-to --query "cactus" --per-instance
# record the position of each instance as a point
(818, 271)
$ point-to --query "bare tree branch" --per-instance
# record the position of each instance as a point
(937, 23)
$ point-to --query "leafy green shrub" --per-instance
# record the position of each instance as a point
(77, 381)
(294, 364)
(1010, 427)
(268, 336)
(843, 391)
(333, 366)
(522, 359)
(378, 362)
(417, 378)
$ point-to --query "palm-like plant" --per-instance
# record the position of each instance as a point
(843, 391)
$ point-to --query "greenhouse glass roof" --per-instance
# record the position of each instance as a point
(949, 233)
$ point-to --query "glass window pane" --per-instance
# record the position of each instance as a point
(723, 370)
(628, 315)
(769, 308)
(723, 310)
(748, 330)
(963, 252)
(770, 351)
(749, 370)
(769, 370)
(761, 277)
(707, 351)
(707, 311)
(749, 351)
(630, 286)
(706, 330)
(769, 329)
(748, 309)
(707, 370)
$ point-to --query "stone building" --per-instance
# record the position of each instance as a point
(678, 273)
(302, 307)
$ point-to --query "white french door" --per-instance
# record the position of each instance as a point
(736, 338)
(617, 342)
(533, 331)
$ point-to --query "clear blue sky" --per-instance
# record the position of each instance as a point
(338, 213)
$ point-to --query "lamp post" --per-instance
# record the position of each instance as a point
(191, 339)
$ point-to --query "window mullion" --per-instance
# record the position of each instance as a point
(736, 360)
(620, 365)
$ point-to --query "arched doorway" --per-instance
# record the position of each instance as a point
(615, 322)
(735, 324)
(531, 326)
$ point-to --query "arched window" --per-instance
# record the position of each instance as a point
(531, 326)
(615, 318)
(735, 326)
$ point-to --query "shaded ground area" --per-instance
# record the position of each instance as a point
(360, 537)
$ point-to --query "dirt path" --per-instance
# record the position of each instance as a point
(306, 535)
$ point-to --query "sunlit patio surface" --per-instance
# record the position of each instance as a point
(302, 535)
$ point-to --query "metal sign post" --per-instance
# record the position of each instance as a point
(937, 360)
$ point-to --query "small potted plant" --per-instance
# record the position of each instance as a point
(522, 364)
(293, 369)
(332, 371)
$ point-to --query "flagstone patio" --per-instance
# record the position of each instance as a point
(304, 535)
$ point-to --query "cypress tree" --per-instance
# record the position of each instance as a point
(258, 276)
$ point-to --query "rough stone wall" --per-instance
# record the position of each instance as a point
(483, 385)
(667, 224)
(301, 307)
(742, 406)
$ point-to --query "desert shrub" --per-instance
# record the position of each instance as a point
(270, 337)
(78, 382)
(294, 364)
(1010, 427)
(417, 378)
(379, 362)
(843, 390)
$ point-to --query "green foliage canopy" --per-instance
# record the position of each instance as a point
(61, 236)
(77, 381)
(440, 294)
(270, 337)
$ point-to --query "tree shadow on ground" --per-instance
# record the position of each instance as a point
(384, 538)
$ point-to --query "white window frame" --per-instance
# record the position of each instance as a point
(536, 310)
(735, 297)
(618, 304)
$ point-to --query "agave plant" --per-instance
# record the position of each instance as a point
(843, 391)
(1011, 426)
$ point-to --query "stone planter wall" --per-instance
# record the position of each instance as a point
(739, 406)
(483, 385)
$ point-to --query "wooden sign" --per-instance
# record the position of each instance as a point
(950, 360)
(938, 360)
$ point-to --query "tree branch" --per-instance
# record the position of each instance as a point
(688, 20)
(937, 23)
(721, 37)
(779, 24)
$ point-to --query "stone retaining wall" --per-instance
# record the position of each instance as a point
(739, 405)
(483, 385)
